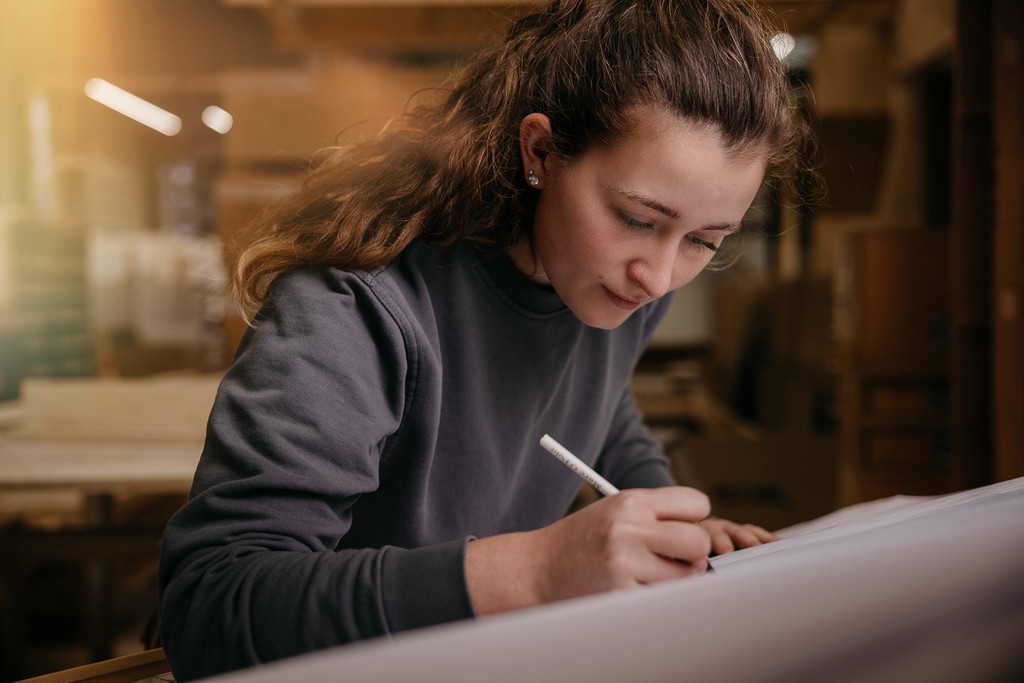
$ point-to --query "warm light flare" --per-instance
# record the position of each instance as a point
(218, 119)
(132, 106)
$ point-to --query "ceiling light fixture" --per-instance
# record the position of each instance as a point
(218, 119)
(783, 44)
(132, 106)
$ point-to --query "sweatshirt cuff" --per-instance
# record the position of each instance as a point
(425, 586)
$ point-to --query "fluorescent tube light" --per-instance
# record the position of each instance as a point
(132, 106)
(218, 119)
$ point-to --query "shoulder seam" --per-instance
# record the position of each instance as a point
(412, 355)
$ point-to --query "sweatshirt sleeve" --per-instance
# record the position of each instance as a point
(251, 569)
(631, 458)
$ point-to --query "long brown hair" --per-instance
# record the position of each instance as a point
(452, 171)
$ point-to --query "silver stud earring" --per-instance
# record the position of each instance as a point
(532, 178)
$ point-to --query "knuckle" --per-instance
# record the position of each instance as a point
(619, 571)
(632, 499)
(631, 505)
(618, 535)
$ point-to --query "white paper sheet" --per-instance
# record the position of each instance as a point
(928, 591)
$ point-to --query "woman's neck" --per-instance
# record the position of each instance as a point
(524, 259)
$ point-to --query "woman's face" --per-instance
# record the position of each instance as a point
(620, 226)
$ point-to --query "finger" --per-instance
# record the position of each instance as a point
(762, 534)
(679, 503)
(745, 537)
(750, 535)
(681, 541)
(655, 568)
(721, 542)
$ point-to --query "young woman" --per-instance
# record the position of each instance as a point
(434, 301)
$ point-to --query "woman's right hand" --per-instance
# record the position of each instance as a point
(637, 537)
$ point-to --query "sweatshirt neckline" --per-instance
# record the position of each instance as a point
(515, 286)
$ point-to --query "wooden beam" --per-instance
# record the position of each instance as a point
(383, 30)
(971, 247)
(134, 667)
(1008, 261)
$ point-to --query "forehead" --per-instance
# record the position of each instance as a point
(655, 126)
(673, 158)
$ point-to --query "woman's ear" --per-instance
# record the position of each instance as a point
(535, 145)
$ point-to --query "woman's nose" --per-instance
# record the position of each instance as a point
(654, 273)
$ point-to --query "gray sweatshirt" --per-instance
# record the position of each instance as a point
(369, 426)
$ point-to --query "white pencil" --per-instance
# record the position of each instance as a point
(578, 466)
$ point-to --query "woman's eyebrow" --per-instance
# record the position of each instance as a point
(723, 227)
(649, 202)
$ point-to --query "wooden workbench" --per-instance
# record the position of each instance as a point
(79, 453)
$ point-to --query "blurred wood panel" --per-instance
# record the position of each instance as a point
(971, 214)
(1008, 100)
(902, 310)
(894, 376)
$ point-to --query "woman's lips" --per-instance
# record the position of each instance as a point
(624, 304)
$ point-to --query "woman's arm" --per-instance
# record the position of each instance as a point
(254, 567)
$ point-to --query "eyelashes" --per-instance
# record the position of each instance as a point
(636, 224)
(703, 243)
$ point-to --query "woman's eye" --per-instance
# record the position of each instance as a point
(703, 244)
(634, 223)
